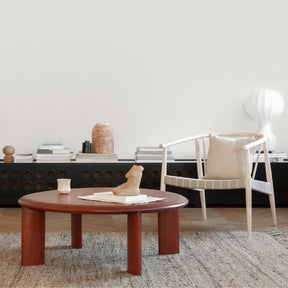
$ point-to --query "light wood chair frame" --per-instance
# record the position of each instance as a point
(248, 183)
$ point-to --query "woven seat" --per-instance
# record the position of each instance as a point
(190, 183)
(227, 165)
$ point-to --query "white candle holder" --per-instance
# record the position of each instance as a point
(63, 185)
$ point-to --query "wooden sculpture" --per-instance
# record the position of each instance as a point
(8, 151)
(131, 187)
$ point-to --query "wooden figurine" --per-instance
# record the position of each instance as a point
(131, 187)
(8, 151)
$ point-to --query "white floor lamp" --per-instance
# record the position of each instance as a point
(263, 105)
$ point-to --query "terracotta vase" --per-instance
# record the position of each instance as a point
(102, 139)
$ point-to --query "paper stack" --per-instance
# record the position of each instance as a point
(23, 158)
(110, 197)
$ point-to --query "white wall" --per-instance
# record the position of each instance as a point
(155, 70)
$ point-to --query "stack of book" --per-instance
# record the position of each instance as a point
(95, 157)
(274, 156)
(53, 153)
(23, 158)
(151, 154)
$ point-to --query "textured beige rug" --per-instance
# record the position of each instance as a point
(210, 259)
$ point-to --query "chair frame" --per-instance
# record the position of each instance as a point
(248, 183)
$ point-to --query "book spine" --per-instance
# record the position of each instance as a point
(44, 151)
(53, 151)
(96, 155)
(52, 146)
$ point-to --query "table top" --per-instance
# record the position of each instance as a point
(70, 203)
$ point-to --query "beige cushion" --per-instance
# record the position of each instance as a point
(226, 159)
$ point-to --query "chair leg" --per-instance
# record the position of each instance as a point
(273, 209)
(203, 203)
(249, 210)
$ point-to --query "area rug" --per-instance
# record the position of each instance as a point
(207, 259)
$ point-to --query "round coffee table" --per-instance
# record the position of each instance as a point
(33, 221)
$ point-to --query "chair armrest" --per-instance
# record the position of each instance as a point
(254, 144)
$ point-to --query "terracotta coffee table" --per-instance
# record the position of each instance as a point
(33, 221)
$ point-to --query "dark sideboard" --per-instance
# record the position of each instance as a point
(18, 179)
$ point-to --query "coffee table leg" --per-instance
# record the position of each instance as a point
(134, 243)
(168, 232)
(33, 237)
(76, 230)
